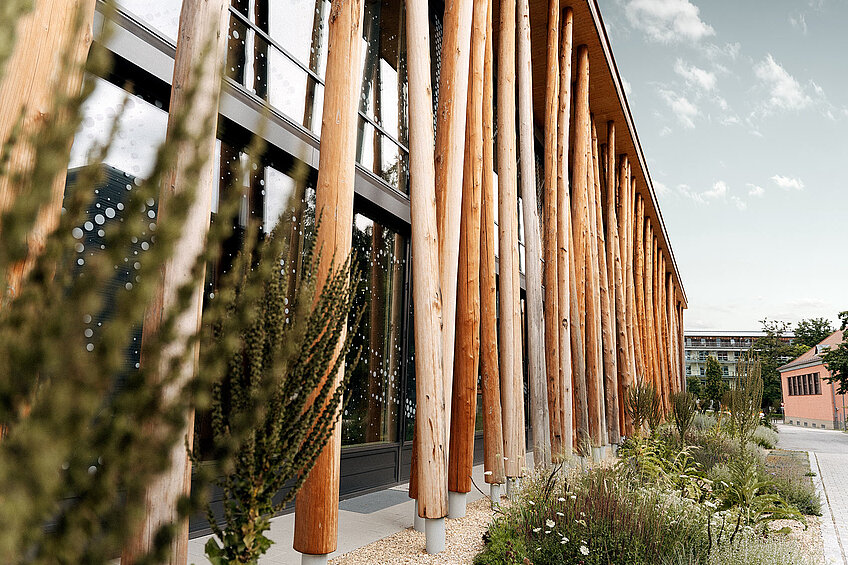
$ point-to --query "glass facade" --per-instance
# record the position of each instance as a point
(276, 51)
(372, 412)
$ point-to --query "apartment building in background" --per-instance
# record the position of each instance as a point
(728, 347)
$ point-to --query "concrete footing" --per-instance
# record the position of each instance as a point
(456, 504)
(417, 521)
(434, 532)
(310, 559)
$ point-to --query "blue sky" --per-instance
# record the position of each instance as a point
(740, 110)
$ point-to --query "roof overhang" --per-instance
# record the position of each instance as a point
(607, 101)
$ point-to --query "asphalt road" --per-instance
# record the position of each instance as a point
(807, 439)
(829, 460)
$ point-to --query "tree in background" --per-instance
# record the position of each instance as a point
(812, 331)
(774, 351)
(836, 361)
(714, 387)
(693, 385)
(843, 319)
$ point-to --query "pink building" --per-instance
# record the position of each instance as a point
(808, 399)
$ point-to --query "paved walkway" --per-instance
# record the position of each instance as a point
(362, 520)
(828, 451)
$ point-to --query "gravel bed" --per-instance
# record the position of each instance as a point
(464, 541)
(810, 540)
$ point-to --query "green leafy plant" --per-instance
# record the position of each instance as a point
(745, 400)
(750, 498)
(276, 376)
(683, 410)
(643, 405)
(78, 453)
(604, 516)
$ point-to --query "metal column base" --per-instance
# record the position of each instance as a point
(309, 559)
(434, 532)
(418, 521)
(456, 504)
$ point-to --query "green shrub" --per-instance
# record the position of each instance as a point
(765, 437)
(789, 473)
(750, 549)
(683, 410)
(605, 516)
(703, 421)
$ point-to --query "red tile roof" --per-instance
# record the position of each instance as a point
(810, 356)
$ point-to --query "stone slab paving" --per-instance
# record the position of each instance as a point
(357, 527)
(828, 451)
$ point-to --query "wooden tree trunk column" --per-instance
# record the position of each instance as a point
(549, 239)
(202, 24)
(48, 39)
(449, 156)
(594, 336)
(317, 504)
(493, 444)
(467, 357)
(512, 388)
(639, 284)
(615, 213)
(580, 232)
(429, 382)
(533, 253)
(563, 238)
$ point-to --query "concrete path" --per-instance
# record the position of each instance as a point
(828, 451)
(362, 520)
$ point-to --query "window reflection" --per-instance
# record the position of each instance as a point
(130, 159)
(382, 135)
(277, 50)
(371, 413)
(162, 16)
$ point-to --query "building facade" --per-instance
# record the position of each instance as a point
(274, 85)
(808, 399)
(727, 347)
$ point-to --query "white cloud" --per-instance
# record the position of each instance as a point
(719, 190)
(799, 22)
(687, 191)
(729, 120)
(788, 182)
(785, 92)
(665, 131)
(667, 21)
(660, 188)
(740, 204)
(757, 191)
(695, 76)
(682, 108)
(728, 50)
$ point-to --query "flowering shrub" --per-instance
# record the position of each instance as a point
(604, 516)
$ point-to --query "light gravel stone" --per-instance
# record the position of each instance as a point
(464, 541)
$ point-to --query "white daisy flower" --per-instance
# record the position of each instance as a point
(550, 523)
(584, 550)
(537, 530)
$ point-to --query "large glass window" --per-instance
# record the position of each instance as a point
(373, 401)
(141, 127)
(278, 51)
(162, 16)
